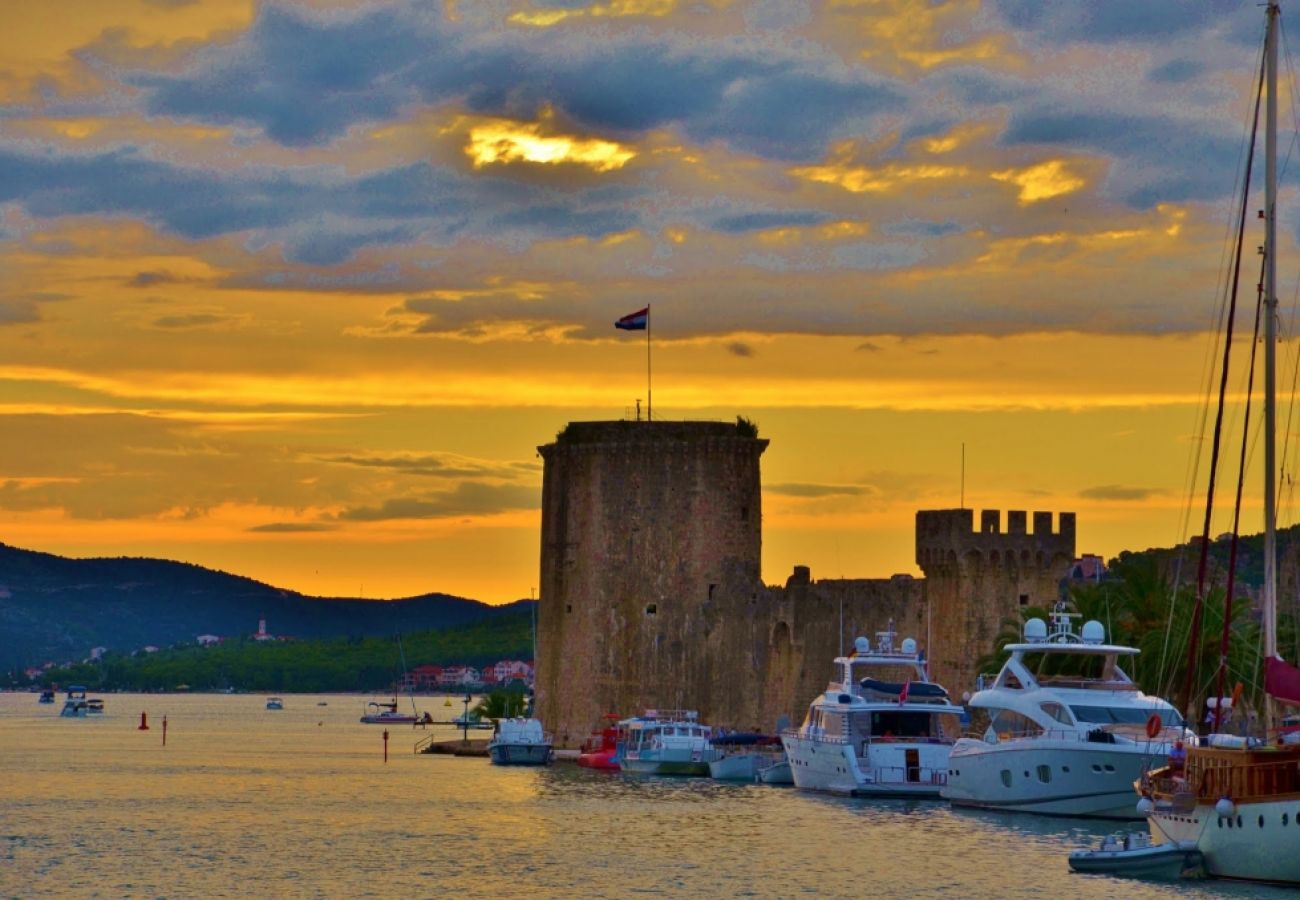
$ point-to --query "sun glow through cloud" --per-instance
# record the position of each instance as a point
(507, 142)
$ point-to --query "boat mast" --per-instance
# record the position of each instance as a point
(1270, 338)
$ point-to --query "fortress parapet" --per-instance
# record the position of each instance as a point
(977, 577)
(948, 538)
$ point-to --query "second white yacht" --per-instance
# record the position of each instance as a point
(1067, 731)
(882, 729)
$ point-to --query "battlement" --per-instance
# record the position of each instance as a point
(945, 536)
(636, 435)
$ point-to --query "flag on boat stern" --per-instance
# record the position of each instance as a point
(634, 321)
(1281, 680)
(902, 695)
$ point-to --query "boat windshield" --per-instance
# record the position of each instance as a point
(908, 725)
(1075, 668)
(1124, 715)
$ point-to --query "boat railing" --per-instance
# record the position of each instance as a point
(1237, 780)
(1098, 735)
(902, 775)
(423, 744)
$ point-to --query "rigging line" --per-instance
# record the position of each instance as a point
(1291, 147)
(1236, 509)
(1198, 609)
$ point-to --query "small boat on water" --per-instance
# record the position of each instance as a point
(671, 742)
(600, 749)
(47, 696)
(744, 755)
(520, 742)
(1137, 856)
(386, 714)
(95, 707)
(778, 772)
(274, 703)
(74, 704)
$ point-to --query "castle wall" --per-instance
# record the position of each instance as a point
(651, 595)
(977, 578)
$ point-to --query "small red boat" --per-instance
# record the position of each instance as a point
(600, 749)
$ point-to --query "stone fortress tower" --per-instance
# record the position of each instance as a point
(975, 579)
(652, 593)
(651, 545)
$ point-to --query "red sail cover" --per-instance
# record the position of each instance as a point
(1282, 680)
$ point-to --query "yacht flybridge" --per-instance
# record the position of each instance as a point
(882, 729)
(1068, 731)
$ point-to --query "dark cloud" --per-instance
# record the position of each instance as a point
(150, 279)
(793, 489)
(192, 321)
(1140, 144)
(468, 498)
(741, 349)
(440, 466)
(292, 527)
(763, 221)
(305, 80)
(1118, 492)
(1178, 71)
(869, 347)
(1112, 21)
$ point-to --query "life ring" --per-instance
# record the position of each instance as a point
(1153, 725)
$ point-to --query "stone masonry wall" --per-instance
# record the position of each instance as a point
(976, 578)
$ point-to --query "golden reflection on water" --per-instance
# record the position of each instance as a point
(249, 802)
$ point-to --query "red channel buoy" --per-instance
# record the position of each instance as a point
(144, 722)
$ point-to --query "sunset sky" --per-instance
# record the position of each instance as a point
(295, 289)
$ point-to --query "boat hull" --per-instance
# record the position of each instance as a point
(693, 764)
(606, 760)
(520, 754)
(1157, 861)
(1049, 777)
(777, 773)
(388, 720)
(1257, 843)
(739, 766)
(832, 766)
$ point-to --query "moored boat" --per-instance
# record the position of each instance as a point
(885, 734)
(1137, 856)
(666, 742)
(47, 696)
(777, 773)
(600, 749)
(743, 755)
(95, 706)
(274, 703)
(520, 742)
(1068, 731)
(1237, 797)
(386, 714)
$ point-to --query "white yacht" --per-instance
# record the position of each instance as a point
(520, 742)
(1068, 732)
(885, 733)
(667, 742)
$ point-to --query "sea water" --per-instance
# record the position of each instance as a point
(247, 802)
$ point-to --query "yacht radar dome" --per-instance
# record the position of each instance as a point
(1035, 631)
(861, 645)
(909, 646)
(1094, 632)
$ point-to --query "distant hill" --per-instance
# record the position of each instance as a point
(55, 609)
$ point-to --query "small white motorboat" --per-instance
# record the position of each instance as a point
(777, 773)
(1136, 856)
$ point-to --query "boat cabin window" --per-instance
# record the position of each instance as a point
(1057, 712)
(1009, 679)
(831, 723)
(908, 725)
(1062, 668)
(1124, 715)
(1010, 724)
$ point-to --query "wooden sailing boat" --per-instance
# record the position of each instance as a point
(1237, 799)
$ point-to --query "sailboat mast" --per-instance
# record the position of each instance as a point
(1270, 338)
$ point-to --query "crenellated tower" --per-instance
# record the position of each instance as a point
(977, 577)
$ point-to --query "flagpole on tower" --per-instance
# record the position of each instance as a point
(649, 404)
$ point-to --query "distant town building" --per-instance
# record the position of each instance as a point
(97, 652)
(508, 670)
(422, 678)
(207, 640)
(459, 676)
(262, 634)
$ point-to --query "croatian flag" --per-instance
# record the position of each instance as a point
(634, 321)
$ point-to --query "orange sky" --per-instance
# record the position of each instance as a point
(295, 289)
